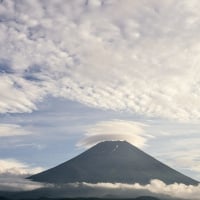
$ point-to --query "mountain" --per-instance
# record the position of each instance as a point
(112, 161)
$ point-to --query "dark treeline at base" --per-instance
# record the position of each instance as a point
(45, 198)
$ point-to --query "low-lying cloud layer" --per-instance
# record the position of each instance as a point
(18, 183)
(143, 58)
(13, 174)
(155, 188)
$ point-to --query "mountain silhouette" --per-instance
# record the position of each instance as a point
(112, 161)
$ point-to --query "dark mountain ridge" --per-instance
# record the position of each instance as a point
(112, 161)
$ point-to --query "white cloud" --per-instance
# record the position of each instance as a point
(155, 187)
(7, 130)
(12, 166)
(144, 57)
(30, 145)
(132, 132)
(18, 95)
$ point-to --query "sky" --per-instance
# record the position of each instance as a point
(77, 72)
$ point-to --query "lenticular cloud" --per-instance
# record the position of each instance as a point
(131, 131)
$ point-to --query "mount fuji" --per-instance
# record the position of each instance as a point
(112, 162)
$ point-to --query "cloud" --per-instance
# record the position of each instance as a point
(154, 188)
(186, 159)
(30, 145)
(7, 130)
(12, 182)
(12, 166)
(17, 94)
(13, 175)
(144, 58)
(133, 132)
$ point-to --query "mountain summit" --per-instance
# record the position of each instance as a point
(112, 161)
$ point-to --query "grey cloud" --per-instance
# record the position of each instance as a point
(10, 182)
(5, 67)
(13, 176)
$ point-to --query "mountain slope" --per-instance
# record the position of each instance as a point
(112, 161)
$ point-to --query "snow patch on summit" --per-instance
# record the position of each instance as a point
(116, 147)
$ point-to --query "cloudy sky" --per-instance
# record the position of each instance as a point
(76, 72)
